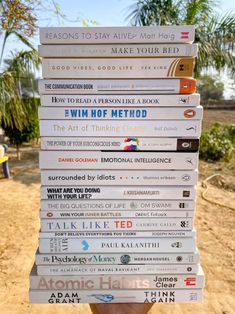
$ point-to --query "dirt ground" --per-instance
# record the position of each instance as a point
(19, 225)
(223, 116)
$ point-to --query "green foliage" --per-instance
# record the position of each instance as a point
(210, 88)
(215, 34)
(30, 131)
(218, 143)
(13, 111)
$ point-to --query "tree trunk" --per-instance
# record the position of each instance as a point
(18, 151)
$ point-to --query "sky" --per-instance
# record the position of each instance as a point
(103, 12)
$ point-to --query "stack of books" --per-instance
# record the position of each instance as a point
(120, 124)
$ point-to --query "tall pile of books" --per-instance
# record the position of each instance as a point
(120, 123)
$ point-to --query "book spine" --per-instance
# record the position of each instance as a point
(143, 205)
(115, 296)
(119, 234)
(137, 100)
(117, 259)
(111, 269)
(134, 86)
(120, 144)
(115, 160)
(120, 282)
(103, 35)
(113, 128)
(116, 224)
(118, 177)
(118, 51)
(116, 214)
(118, 193)
(121, 113)
(109, 245)
(149, 68)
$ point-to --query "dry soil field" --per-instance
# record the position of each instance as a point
(19, 225)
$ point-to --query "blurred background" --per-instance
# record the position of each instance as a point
(19, 129)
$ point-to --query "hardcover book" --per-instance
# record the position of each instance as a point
(119, 282)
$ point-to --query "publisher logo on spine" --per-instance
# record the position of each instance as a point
(189, 113)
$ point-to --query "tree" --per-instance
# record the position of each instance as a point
(19, 18)
(210, 88)
(215, 34)
(30, 131)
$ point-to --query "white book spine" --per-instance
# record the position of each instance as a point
(102, 35)
(117, 259)
(137, 100)
(119, 234)
(116, 269)
(118, 177)
(110, 128)
(148, 68)
(134, 86)
(116, 224)
(120, 144)
(116, 214)
(109, 245)
(116, 160)
(115, 296)
(119, 282)
(143, 205)
(118, 193)
(121, 113)
(118, 51)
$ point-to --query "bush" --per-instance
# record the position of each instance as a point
(218, 143)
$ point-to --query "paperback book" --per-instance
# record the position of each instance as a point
(99, 205)
(68, 224)
(118, 177)
(137, 100)
(118, 51)
(115, 296)
(116, 214)
(120, 143)
(109, 35)
(118, 86)
(104, 68)
(116, 269)
(118, 193)
(121, 113)
(117, 160)
(116, 258)
(109, 245)
(110, 128)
